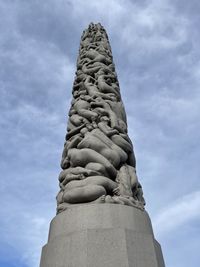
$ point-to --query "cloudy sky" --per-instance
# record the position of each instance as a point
(156, 50)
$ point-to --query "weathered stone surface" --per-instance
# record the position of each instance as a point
(98, 160)
(113, 236)
(99, 171)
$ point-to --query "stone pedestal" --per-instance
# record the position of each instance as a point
(96, 235)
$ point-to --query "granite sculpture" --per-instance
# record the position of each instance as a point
(98, 159)
(100, 218)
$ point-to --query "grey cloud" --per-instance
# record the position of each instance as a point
(156, 50)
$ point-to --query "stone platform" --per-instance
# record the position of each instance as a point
(96, 235)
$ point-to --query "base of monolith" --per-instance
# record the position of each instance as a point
(96, 235)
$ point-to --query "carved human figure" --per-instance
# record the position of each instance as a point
(88, 189)
(85, 156)
(99, 142)
(98, 159)
(93, 90)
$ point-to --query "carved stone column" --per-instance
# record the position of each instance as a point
(100, 218)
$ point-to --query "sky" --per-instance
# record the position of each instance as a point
(156, 50)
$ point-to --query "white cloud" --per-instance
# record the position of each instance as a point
(24, 225)
(33, 240)
(178, 213)
(109, 12)
(160, 83)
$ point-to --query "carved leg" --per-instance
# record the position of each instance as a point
(105, 182)
(84, 194)
(97, 167)
(122, 143)
(81, 157)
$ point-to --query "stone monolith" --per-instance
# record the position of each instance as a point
(101, 220)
